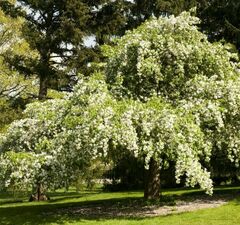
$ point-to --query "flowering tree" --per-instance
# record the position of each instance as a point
(170, 60)
(169, 95)
(55, 140)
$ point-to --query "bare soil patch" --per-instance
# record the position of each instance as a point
(134, 209)
(182, 206)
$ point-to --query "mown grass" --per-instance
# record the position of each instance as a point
(61, 209)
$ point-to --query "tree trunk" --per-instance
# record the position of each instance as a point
(152, 181)
(39, 195)
(43, 88)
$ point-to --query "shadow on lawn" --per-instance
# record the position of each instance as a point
(64, 196)
(71, 212)
(132, 208)
(219, 193)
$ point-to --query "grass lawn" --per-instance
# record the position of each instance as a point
(65, 208)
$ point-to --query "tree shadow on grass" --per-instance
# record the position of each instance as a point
(60, 213)
(65, 197)
(9, 198)
(191, 193)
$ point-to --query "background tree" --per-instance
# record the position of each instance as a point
(221, 19)
(140, 11)
(11, 43)
(15, 89)
(58, 31)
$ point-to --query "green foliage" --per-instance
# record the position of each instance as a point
(12, 83)
(143, 10)
(8, 114)
(15, 89)
(221, 20)
(126, 173)
(90, 177)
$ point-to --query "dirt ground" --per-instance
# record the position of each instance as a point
(182, 206)
(136, 210)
